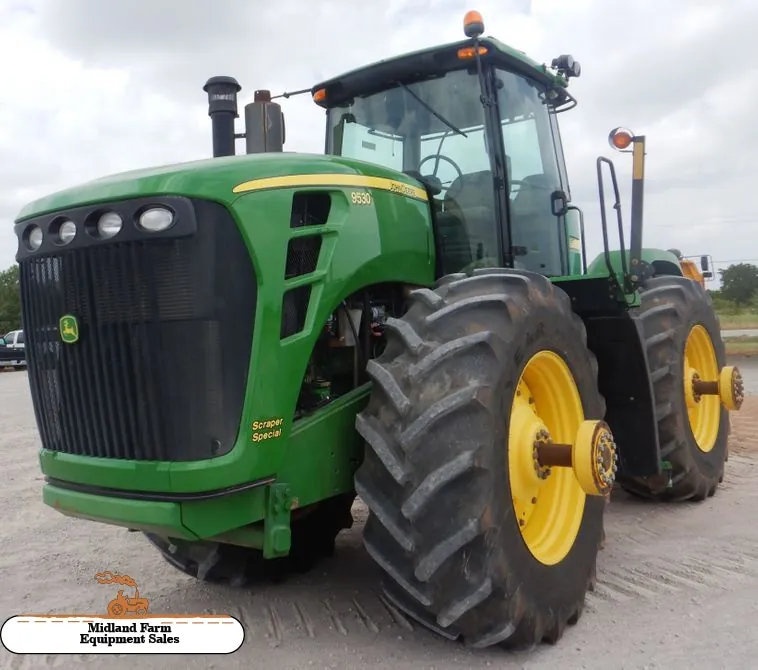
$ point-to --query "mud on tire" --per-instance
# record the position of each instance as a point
(441, 524)
(313, 536)
(670, 306)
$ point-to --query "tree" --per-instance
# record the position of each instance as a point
(739, 282)
(10, 300)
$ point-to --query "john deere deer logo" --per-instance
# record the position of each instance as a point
(69, 328)
(122, 606)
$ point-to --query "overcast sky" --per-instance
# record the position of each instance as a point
(93, 87)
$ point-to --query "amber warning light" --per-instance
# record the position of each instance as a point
(620, 138)
(467, 53)
(473, 24)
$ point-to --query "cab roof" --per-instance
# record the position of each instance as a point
(428, 62)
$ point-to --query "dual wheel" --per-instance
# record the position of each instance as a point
(488, 466)
(693, 390)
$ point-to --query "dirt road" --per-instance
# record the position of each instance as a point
(678, 585)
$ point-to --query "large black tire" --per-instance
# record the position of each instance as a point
(313, 536)
(670, 307)
(442, 525)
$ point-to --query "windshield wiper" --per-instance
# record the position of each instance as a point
(432, 111)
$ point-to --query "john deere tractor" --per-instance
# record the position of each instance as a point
(223, 354)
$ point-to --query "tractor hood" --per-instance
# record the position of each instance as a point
(213, 179)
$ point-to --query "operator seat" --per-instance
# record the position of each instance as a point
(466, 227)
(533, 225)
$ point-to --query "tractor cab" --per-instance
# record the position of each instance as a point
(476, 125)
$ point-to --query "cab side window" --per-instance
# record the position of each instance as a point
(533, 175)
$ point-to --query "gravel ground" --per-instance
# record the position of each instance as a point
(678, 585)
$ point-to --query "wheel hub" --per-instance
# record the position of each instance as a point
(708, 389)
(603, 455)
(541, 442)
(592, 457)
(729, 387)
(555, 457)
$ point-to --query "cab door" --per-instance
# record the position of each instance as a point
(537, 188)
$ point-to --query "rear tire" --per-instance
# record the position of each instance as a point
(436, 476)
(313, 536)
(671, 307)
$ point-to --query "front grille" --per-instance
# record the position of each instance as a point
(165, 327)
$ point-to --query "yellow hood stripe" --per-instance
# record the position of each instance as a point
(339, 180)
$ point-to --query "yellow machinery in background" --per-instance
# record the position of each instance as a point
(690, 267)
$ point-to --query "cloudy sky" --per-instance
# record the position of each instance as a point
(93, 87)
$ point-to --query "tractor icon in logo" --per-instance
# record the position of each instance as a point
(121, 605)
(69, 328)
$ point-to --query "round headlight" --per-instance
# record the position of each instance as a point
(66, 232)
(156, 219)
(34, 237)
(109, 224)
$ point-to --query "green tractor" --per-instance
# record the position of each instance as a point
(223, 354)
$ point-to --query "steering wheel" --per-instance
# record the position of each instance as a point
(440, 157)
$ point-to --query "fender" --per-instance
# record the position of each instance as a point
(661, 261)
(624, 381)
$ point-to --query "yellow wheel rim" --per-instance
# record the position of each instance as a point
(704, 412)
(549, 507)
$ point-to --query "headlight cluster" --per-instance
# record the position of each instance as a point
(104, 226)
(108, 225)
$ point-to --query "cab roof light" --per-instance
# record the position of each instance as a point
(467, 53)
(473, 24)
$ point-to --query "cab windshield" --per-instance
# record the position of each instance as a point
(436, 128)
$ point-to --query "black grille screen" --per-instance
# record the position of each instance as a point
(302, 256)
(165, 329)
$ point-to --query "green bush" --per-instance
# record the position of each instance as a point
(10, 300)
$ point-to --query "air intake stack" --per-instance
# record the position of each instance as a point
(222, 108)
(264, 120)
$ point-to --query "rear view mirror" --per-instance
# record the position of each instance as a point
(558, 203)
(704, 263)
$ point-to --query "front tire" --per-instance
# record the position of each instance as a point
(682, 331)
(444, 461)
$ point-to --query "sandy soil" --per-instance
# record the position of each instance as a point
(678, 585)
(744, 438)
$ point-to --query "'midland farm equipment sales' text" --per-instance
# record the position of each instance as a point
(157, 634)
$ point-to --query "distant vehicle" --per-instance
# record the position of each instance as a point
(13, 355)
(14, 339)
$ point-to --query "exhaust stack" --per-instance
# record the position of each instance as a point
(264, 125)
(222, 108)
